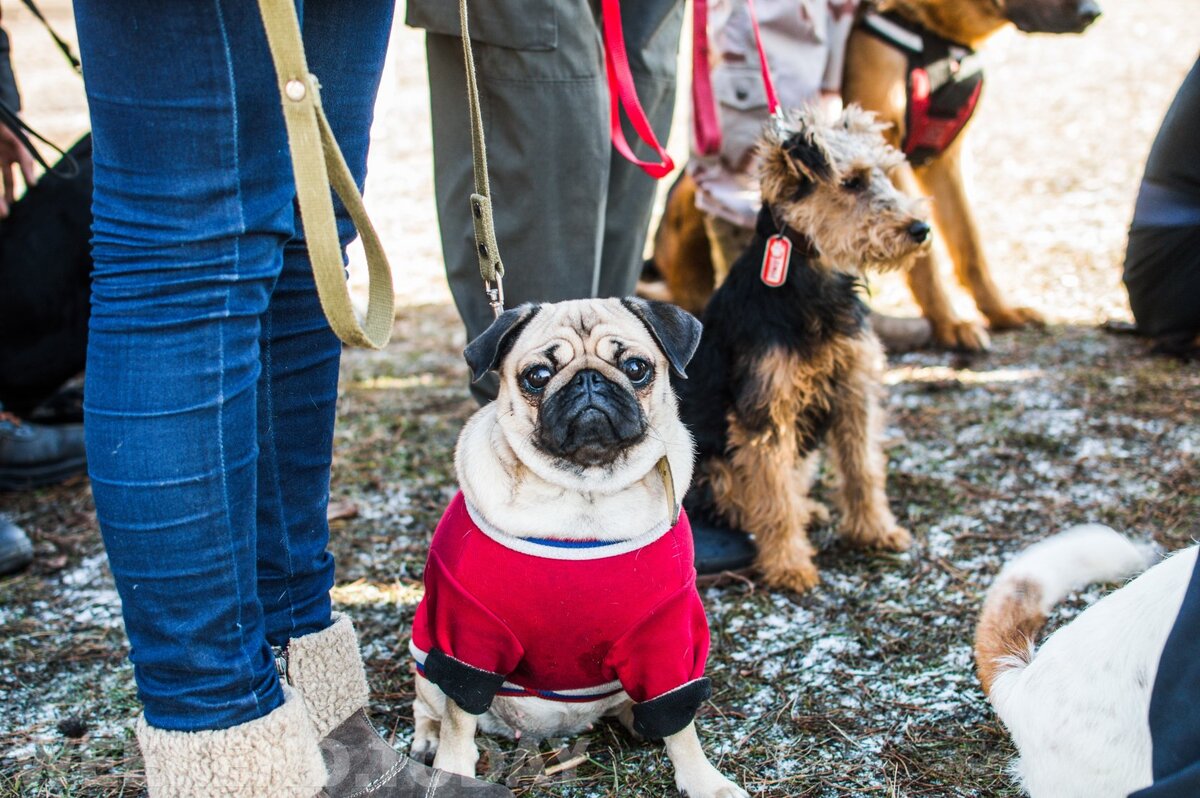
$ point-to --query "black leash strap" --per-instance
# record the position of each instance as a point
(66, 168)
(62, 45)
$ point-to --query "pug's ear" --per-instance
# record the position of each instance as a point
(676, 331)
(485, 352)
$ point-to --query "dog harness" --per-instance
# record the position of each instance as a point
(944, 81)
(564, 620)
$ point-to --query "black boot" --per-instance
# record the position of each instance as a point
(32, 455)
(16, 552)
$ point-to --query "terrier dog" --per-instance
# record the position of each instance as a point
(1076, 706)
(787, 357)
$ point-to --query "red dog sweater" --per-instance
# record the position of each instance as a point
(564, 620)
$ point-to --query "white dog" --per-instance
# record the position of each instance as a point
(1077, 707)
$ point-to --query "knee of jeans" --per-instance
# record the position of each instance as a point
(195, 283)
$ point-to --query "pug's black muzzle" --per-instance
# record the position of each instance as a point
(590, 420)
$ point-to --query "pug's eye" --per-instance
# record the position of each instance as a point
(534, 378)
(637, 370)
(855, 183)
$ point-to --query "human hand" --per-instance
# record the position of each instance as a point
(13, 153)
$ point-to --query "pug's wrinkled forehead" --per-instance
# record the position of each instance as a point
(577, 333)
(586, 333)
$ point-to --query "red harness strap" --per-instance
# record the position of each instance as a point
(929, 132)
(944, 83)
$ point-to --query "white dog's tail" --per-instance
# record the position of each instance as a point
(1038, 578)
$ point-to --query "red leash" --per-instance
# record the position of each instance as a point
(705, 127)
(706, 130)
(623, 94)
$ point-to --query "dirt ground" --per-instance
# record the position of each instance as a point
(862, 687)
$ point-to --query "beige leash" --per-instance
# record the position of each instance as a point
(317, 162)
(491, 269)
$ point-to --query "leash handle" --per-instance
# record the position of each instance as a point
(317, 163)
(491, 268)
(768, 84)
(623, 95)
(706, 127)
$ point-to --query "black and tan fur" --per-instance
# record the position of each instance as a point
(781, 370)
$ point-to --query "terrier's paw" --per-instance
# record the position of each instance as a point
(968, 336)
(709, 784)
(796, 576)
(1006, 318)
(817, 512)
(890, 537)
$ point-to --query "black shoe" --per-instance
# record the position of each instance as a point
(720, 548)
(32, 455)
(16, 552)
(64, 407)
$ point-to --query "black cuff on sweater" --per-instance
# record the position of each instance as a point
(471, 688)
(670, 712)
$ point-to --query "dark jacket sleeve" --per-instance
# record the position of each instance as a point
(8, 81)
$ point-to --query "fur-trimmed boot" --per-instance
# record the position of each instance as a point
(276, 755)
(327, 668)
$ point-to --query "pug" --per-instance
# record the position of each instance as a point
(560, 585)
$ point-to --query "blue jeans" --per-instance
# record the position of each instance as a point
(211, 371)
(1175, 705)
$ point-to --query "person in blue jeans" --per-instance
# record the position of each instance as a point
(210, 399)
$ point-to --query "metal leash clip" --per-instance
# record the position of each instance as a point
(495, 294)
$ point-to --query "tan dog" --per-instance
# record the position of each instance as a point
(560, 586)
(876, 76)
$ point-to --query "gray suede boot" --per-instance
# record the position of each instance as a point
(326, 667)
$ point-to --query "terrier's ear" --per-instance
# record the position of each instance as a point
(807, 154)
(676, 331)
(485, 352)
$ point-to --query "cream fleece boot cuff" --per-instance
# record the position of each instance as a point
(327, 668)
(275, 755)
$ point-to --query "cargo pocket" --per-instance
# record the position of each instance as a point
(742, 105)
(524, 25)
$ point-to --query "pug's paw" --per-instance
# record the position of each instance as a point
(708, 784)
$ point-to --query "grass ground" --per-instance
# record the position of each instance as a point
(862, 687)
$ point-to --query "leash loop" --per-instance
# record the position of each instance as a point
(623, 94)
(318, 164)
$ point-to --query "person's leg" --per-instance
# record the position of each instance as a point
(652, 38)
(191, 215)
(1174, 719)
(727, 241)
(1162, 275)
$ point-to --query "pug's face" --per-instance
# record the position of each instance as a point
(585, 383)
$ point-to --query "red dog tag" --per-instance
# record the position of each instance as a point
(776, 259)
